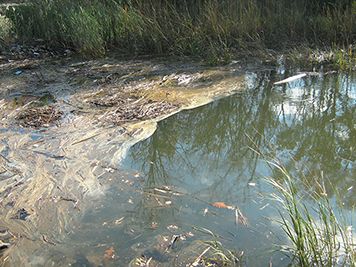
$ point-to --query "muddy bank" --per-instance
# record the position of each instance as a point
(65, 125)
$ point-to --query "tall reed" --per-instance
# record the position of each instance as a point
(204, 28)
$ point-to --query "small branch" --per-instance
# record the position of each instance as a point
(198, 259)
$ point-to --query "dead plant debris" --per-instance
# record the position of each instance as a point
(146, 109)
(239, 217)
(109, 253)
(124, 108)
(39, 116)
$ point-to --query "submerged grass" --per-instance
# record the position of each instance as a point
(221, 256)
(317, 237)
(216, 253)
(211, 29)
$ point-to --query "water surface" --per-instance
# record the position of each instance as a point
(207, 155)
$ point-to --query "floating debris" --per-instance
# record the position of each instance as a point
(291, 79)
(109, 253)
(68, 199)
(172, 227)
(119, 221)
(5, 237)
(264, 206)
(154, 225)
(50, 155)
(167, 190)
(239, 217)
(141, 261)
(222, 205)
(21, 214)
(4, 245)
(174, 239)
(206, 210)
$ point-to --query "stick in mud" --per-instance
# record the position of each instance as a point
(198, 259)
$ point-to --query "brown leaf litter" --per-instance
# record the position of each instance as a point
(36, 117)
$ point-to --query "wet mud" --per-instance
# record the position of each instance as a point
(65, 124)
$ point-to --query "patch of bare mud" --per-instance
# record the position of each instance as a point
(65, 125)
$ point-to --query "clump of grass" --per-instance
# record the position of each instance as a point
(343, 58)
(5, 30)
(216, 253)
(89, 27)
(317, 236)
(62, 24)
(221, 256)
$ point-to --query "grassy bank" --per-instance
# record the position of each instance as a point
(210, 29)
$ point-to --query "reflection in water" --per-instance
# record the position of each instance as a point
(206, 152)
(210, 154)
(308, 124)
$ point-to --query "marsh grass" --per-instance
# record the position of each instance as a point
(5, 30)
(210, 29)
(316, 234)
(346, 58)
(343, 58)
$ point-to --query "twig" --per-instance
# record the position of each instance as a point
(148, 262)
(8, 161)
(198, 259)
(85, 139)
(68, 199)
(45, 239)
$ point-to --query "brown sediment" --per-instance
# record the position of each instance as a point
(101, 109)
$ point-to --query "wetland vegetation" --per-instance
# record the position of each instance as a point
(214, 30)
